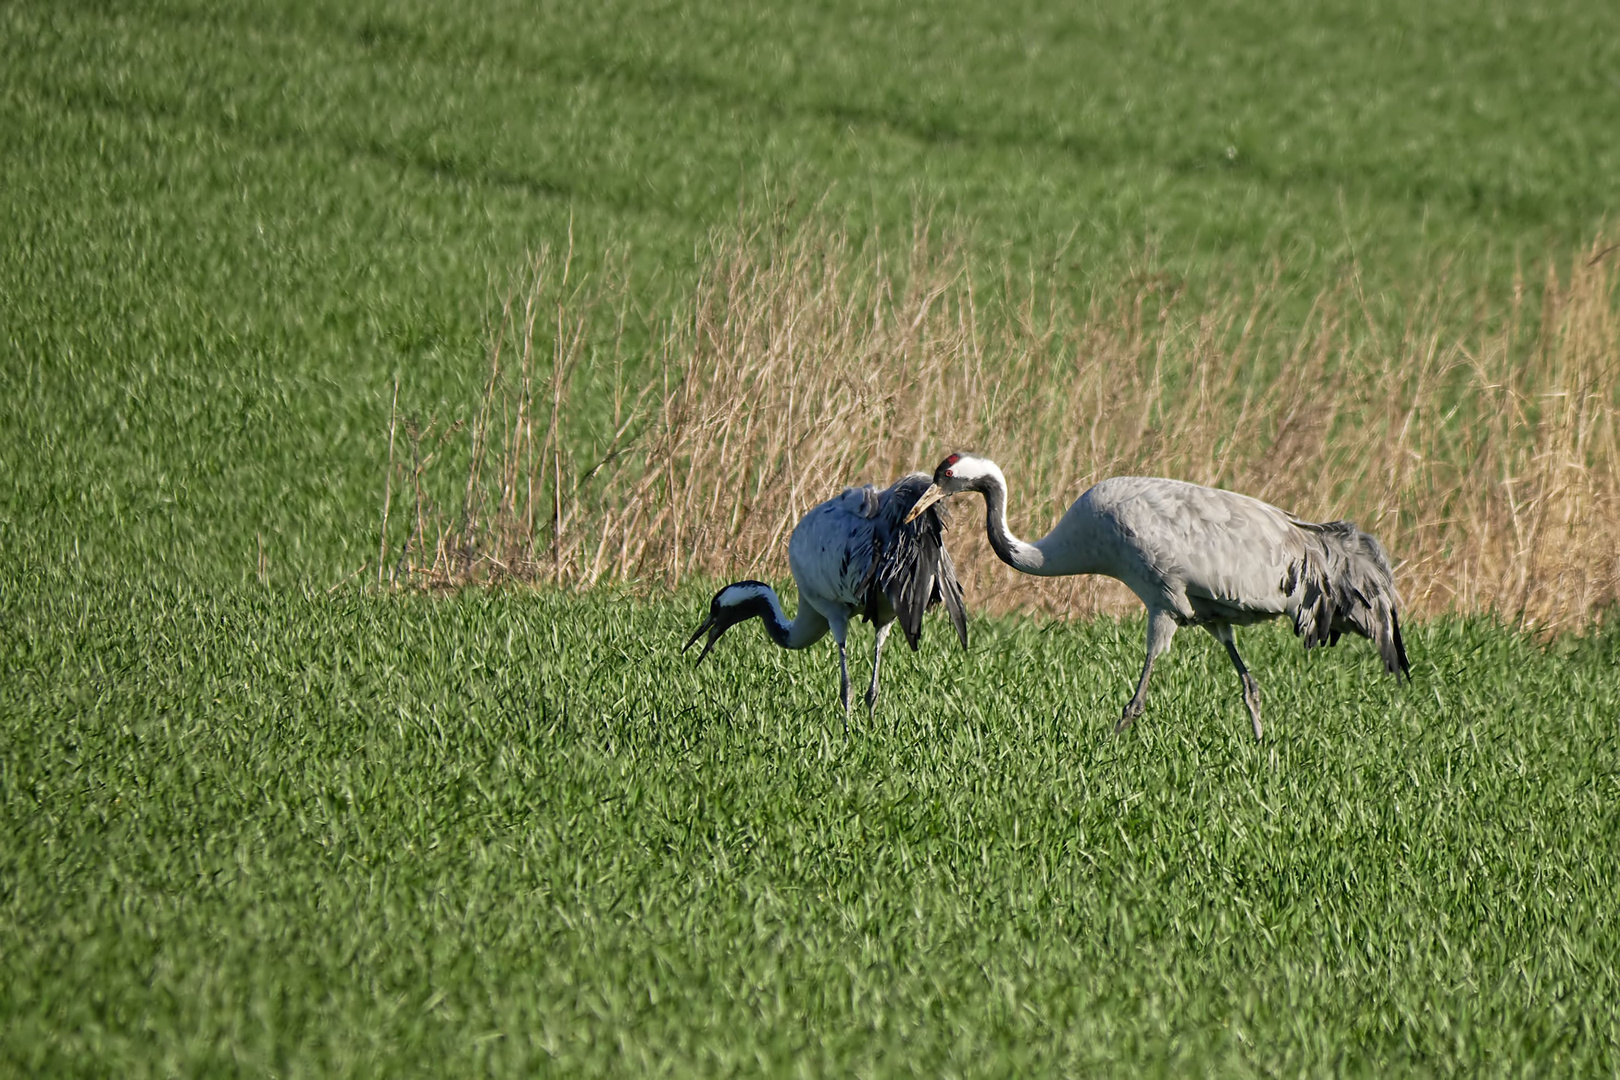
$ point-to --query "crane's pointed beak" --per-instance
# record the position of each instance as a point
(929, 498)
(714, 635)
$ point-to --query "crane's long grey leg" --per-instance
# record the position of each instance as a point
(877, 661)
(1160, 629)
(1251, 689)
(843, 682)
(840, 630)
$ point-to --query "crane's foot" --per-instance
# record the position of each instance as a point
(871, 701)
(1128, 717)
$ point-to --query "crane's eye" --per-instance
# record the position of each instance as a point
(949, 472)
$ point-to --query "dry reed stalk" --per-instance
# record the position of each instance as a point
(1487, 459)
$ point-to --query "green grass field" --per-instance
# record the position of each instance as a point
(254, 824)
(295, 835)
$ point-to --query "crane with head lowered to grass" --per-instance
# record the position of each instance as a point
(1200, 556)
(862, 553)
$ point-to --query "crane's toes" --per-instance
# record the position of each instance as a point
(871, 700)
(1133, 709)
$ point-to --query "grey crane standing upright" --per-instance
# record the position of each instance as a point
(1200, 556)
(864, 552)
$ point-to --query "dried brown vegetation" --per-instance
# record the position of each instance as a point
(1482, 445)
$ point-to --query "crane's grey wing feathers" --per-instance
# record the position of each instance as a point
(864, 501)
(913, 570)
(1196, 551)
(831, 549)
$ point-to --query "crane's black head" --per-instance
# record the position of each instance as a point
(737, 602)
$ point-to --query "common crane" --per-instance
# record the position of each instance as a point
(1199, 556)
(864, 552)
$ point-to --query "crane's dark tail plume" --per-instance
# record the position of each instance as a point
(1348, 586)
(913, 569)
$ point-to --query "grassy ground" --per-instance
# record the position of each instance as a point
(250, 827)
(359, 835)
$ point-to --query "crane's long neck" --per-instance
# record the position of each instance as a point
(806, 628)
(1011, 550)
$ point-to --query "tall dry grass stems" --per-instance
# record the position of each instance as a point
(1486, 458)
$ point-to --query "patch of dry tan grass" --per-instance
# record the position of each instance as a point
(1486, 459)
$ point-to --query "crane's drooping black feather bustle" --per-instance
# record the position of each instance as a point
(911, 567)
(1348, 588)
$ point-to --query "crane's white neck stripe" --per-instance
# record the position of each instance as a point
(742, 594)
